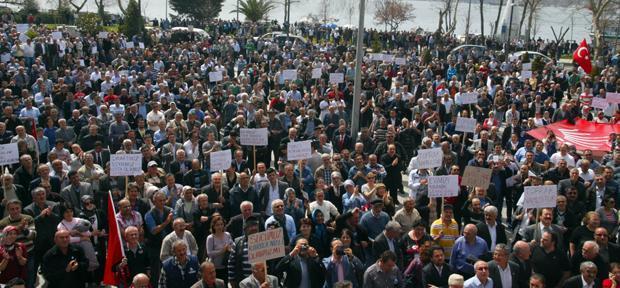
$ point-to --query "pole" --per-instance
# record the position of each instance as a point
(357, 85)
(118, 230)
(510, 24)
(467, 25)
(167, 10)
(126, 184)
(238, 10)
(254, 156)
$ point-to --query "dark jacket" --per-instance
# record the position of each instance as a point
(381, 245)
(432, 277)
(495, 274)
(575, 282)
(292, 267)
(55, 262)
(263, 195)
(483, 232)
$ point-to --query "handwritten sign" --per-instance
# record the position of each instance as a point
(21, 28)
(219, 160)
(336, 78)
(215, 76)
(526, 66)
(540, 196)
(125, 164)
(289, 74)
(9, 154)
(526, 74)
(469, 98)
(254, 137)
(443, 186)
(429, 158)
(102, 35)
(316, 73)
(56, 35)
(129, 45)
(376, 57)
(141, 45)
(477, 177)
(400, 61)
(599, 103)
(266, 245)
(464, 124)
(612, 98)
(388, 58)
(298, 150)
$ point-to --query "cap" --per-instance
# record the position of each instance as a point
(251, 221)
(152, 164)
(456, 280)
(8, 229)
(348, 182)
(377, 201)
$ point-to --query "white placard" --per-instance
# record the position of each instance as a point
(599, 103)
(464, 124)
(526, 66)
(612, 98)
(376, 57)
(388, 58)
(102, 34)
(266, 245)
(254, 137)
(93, 50)
(9, 154)
(220, 160)
(56, 35)
(141, 45)
(336, 78)
(21, 28)
(443, 186)
(289, 74)
(316, 73)
(215, 76)
(23, 37)
(82, 63)
(6, 57)
(126, 164)
(298, 150)
(129, 45)
(526, 74)
(400, 61)
(540, 196)
(429, 158)
(468, 98)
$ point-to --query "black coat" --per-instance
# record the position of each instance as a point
(292, 267)
(381, 245)
(575, 282)
(432, 277)
(483, 232)
(55, 262)
(495, 274)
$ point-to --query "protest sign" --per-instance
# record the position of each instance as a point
(388, 58)
(215, 76)
(376, 57)
(336, 78)
(21, 28)
(400, 61)
(289, 74)
(599, 103)
(93, 50)
(612, 98)
(220, 160)
(540, 196)
(254, 137)
(102, 34)
(129, 45)
(316, 73)
(469, 98)
(9, 154)
(477, 177)
(443, 186)
(56, 35)
(266, 245)
(526, 74)
(23, 37)
(526, 66)
(125, 164)
(5, 57)
(429, 158)
(465, 124)
(141, 45)
(298, 150)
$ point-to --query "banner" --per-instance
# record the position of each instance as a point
(125, 164)
(443, 186)
(583, 134)
(266, 245)
(540, 196)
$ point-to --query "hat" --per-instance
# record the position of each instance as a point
(456, 280)
(86, 198)
(152, 164)
(348, 182)
(8, 229)
(251, 221)
(377, 201)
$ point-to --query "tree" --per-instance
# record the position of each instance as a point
(534, 8)
(89, 23)
(392, 13)
(448, 12)
(601, 9)
(134, 23)
(255, 10)
(197, 10)
(499, 13)
(77, 5)
(482, 18)
(30, 7)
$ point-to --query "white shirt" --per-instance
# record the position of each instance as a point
(557, 156)
(493, 233)
(326, 207)
(586, 285)
(274, 193)
(505, 276)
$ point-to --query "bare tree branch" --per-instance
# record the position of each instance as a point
(392, 13)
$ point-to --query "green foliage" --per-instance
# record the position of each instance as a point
(375, 45)
(525, 58)
(30, 7)
(255, 10)
(64, 14)
(198, 10)
(538, 64)
(426, 56)
(32, 33)
(89, 23)
(134, 23)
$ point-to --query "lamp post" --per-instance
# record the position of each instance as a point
(357, 84)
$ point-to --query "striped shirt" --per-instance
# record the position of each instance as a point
(246, 266)
(450, 234)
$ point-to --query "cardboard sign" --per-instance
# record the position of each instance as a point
(429, 158)
(215, 76)
(464, 124)
(526, 74)
(266, 245)
(443, 186)
(289, 74)
(336, 78)
(298, 150)
(141, 45)
(129, 45)
(599, 103)
(540, 196)
(126, 164)
(21, 28)
(56, 35)
(316, 73)
(102, 35)
(9, 154)
(254, 137)
(477, 177)
(612, 98)
(220, 160)
(468, 98)
(400, 61)
(526, 66)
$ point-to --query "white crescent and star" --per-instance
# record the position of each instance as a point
(579, 53)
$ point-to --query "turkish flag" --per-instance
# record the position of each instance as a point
(583, 134)
(115, 249)
(582, 57)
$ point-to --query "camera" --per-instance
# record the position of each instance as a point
(304, 248)
(340, 251)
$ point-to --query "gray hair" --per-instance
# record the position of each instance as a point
(177, 244)
(392, 226)
(244, 203)
(491, 209)
(37, 190)
(503, 248)
(587, 265)
(593, 244)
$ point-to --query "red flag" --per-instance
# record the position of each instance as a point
(115, 249)
(34, 129)
(582, 57)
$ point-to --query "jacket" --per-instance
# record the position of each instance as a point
(500, 232)
(494, 273)
(433, 277)
(292, 267)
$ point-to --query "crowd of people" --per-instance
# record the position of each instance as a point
(348, 219)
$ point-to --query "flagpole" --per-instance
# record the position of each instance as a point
(118, 231)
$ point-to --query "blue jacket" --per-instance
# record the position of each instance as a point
(181, 279)
(352, 270)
